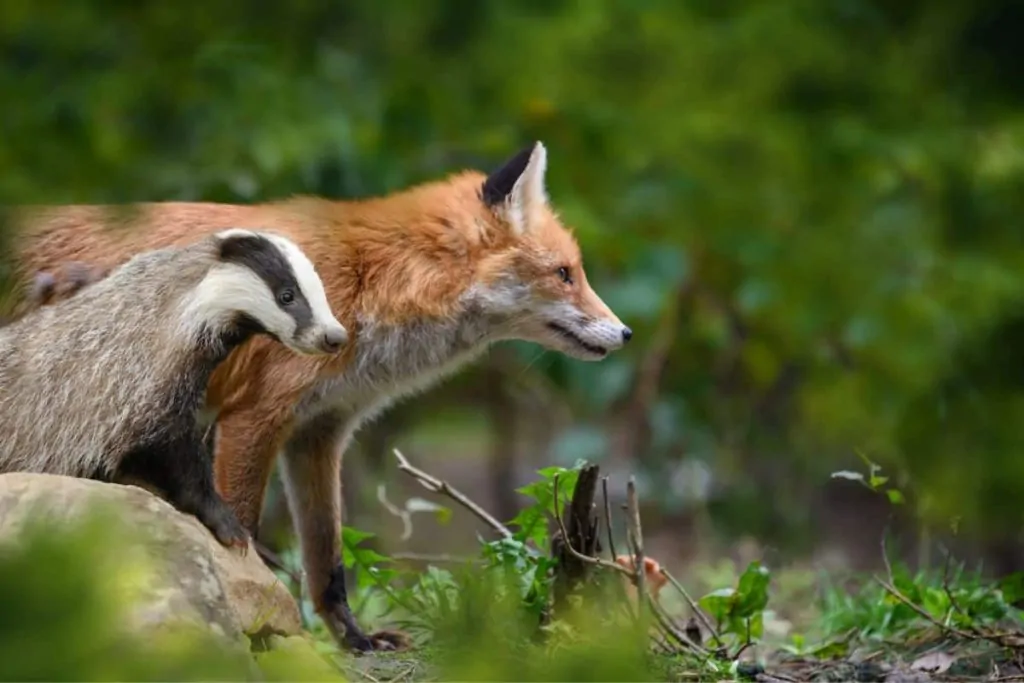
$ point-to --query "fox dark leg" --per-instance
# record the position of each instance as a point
(312, 478)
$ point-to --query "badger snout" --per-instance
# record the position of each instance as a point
(333, 338)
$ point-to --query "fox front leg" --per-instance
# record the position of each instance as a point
(312, 478)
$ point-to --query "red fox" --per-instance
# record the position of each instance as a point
(424, 279)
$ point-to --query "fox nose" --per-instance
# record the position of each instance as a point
(627, 334)
(333, 338)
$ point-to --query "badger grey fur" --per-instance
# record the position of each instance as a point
(107, 384)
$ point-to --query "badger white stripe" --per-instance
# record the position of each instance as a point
(307, 277)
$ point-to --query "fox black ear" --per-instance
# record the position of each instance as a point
(516, 190)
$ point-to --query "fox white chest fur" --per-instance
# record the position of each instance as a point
(395, 361)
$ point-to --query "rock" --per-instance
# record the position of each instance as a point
(180, 573)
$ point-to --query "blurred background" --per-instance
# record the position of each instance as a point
(809, 212)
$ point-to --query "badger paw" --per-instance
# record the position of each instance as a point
(226, 528)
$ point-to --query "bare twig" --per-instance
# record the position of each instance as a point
(895, 592)
(597, 561)
(697, 611)
(664, 621)
(621, 589)
(436, 485)
(1009, 639)
(885, 552)
(440, 558)
(636, 538)
(949, 591)
(396, 511)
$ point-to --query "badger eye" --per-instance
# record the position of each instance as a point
(563, 275)
(286, 297)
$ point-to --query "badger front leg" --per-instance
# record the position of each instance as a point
(312, 477)
(181, 468)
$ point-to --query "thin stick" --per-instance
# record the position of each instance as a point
(885, 553)
(697, 611)
(667, 625)
(636, 537)
(436, 485)
(575, 553)
(895, 592)
(620, 589)
(396, 511)
(440, 559)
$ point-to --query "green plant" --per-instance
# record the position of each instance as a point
(738, 612)
(874, 481)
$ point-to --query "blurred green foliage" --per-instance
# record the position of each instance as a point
(64, 618)
(811, 205)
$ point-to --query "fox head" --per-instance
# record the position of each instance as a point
(536, 282)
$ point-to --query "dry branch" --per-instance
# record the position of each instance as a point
(432, 483)
(1011, 639)
(636, 539)
(597, 561)
(697, 611)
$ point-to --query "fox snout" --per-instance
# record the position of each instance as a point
(583, 335)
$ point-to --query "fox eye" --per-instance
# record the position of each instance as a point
(286, 297)
(563, 275)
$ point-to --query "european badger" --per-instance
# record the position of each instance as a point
(107, 384)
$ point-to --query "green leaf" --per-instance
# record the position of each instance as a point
(752, 592)
(718, 603)
(352, 555)
(895, 496)
(1012, 587)
(441, 512)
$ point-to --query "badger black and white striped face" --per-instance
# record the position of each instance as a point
(269, 281)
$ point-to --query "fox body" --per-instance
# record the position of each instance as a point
(106, 384)
(424, 280)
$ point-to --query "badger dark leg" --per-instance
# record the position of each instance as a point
(312, 477)
(181, 467)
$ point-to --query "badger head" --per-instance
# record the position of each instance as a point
(264, 283)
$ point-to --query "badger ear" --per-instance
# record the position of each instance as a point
(233, 242)
(516, 190)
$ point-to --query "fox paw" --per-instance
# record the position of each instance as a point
(381, 641)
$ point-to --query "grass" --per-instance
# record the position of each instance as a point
(490, 620)
(483, 622)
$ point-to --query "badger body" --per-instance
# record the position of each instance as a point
(107, 384)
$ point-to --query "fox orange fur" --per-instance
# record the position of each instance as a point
(424, 279)
(653, 577)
